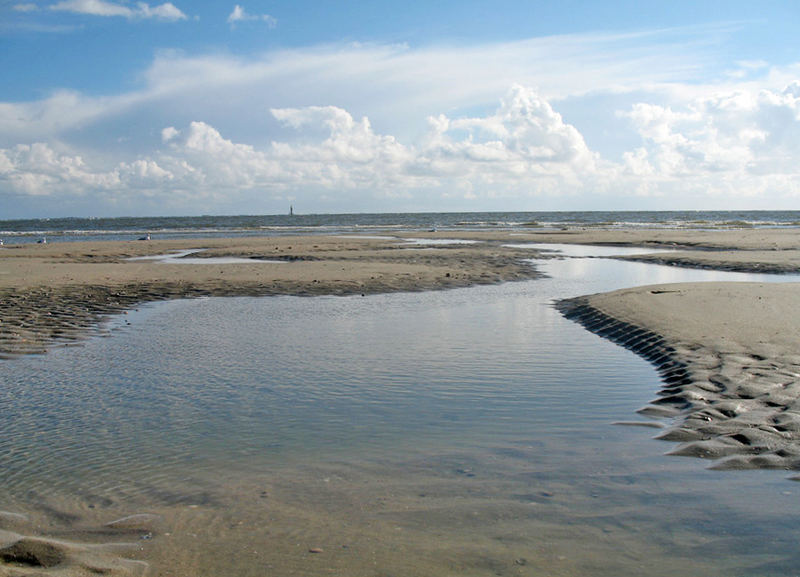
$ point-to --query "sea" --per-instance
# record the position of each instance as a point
(126, 228)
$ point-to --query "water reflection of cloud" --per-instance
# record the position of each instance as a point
(437, 241)
(585, 275)
(587, 250)
(182, 257)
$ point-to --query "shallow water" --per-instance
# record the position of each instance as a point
(184, 257)
(437, 241)
(459, 432)
(586, 250)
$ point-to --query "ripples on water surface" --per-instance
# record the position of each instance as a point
(477, 422)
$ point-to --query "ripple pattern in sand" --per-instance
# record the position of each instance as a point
(738, 410)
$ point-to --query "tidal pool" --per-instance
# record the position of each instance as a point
(462, 432)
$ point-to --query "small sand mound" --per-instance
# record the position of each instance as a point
(22, 555)
(33, 553)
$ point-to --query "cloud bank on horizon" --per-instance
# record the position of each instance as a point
(219, 117)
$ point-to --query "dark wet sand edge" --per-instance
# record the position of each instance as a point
(692, 261)
(652, 347)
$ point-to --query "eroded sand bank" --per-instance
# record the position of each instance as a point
(729, 354)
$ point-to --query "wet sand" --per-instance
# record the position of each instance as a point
(454, 514)
(729, 353)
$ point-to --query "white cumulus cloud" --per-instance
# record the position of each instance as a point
(524, 129)
(735, 135)
(38, 170)
(166, 11)
(524, 147)
(169, 133)
(742, 143)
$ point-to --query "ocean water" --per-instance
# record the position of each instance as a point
(71, 229)
(462, 432)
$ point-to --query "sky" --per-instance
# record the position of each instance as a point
(127, 108)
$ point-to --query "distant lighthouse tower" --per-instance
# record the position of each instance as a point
(291, 210)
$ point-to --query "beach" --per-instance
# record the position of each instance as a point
(725, 351)
(734, 343)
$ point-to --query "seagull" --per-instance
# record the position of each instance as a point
(145, 237)
(42, 240)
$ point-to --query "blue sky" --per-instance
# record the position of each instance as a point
(113, 108)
